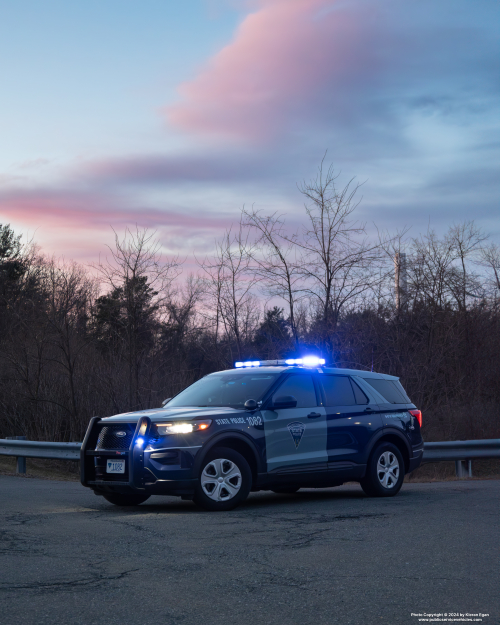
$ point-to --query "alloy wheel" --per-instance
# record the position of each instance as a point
(221, 479)
(388, 469)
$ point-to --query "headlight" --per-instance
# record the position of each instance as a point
(182, 428)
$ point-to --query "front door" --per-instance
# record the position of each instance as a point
(296, 437)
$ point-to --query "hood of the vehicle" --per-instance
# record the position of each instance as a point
(173, 414)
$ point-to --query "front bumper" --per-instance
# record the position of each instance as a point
(154, 471)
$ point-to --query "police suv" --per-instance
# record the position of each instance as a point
(277, 425)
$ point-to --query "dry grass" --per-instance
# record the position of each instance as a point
(42, 469)
(444, 471)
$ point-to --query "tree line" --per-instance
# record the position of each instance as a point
(127, 332)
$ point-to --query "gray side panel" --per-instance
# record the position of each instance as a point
(294, 439)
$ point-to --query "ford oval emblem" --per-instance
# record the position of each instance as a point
(121, 433)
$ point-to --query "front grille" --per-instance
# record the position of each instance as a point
(108, 438)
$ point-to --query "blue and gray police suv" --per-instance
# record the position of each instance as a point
(275, 425)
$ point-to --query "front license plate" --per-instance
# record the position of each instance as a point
(115, 466)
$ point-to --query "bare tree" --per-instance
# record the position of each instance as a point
(230, 279)
(490, 257)
(276, 262)
(338, 260)
(466, 240)
(71, 293)
(139, 280)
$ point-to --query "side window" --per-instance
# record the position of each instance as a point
(361, 398)
(302, 388)
(388, 390)
(337, 390)
(400, 388)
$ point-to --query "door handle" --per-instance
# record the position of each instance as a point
(313, 415)
(368, 409)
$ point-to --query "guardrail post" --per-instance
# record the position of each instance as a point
(460, 469)
(21, 461)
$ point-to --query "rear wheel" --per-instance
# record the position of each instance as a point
(225, 480)
(286, 491)
(385, 472)
(125, 500)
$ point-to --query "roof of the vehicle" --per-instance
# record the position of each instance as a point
(360, 373)
(299, 369)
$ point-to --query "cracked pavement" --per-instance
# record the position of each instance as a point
(317, 557)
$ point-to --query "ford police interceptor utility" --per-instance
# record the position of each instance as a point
(277, 425)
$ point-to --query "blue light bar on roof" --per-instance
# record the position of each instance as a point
(306, 361)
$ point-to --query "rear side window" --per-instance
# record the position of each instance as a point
(301, 387)
(361, 398)
(389, 391)
(337, 390)
(400, 388)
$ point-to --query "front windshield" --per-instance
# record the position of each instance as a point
(225, 389)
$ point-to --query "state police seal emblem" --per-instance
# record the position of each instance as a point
(296, 429)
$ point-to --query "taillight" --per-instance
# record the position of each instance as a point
(418, 415)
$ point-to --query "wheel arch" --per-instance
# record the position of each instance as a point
(240, 443)
(390, 435)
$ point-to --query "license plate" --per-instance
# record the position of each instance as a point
(115, 466)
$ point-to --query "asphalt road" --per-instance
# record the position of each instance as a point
(317, 557)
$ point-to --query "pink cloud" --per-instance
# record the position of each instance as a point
(78, 224)
(281, 58)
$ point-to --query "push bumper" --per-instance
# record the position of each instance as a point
(142, 473)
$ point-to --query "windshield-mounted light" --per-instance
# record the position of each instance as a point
(182, 427)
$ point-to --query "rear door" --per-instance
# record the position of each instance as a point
(351, 417)
(296, 437)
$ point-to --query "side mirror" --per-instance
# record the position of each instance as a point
(165, 401)
(284, 401)
(251, 404)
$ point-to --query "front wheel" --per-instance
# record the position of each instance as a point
(385, 472)
(225, 480)
(119, 499)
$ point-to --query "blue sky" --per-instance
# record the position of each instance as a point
(173, 115)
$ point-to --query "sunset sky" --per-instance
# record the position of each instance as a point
(173, 115)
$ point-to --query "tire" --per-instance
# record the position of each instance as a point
(385, 472)
(119, 499)
(286, 491)
(224, 482)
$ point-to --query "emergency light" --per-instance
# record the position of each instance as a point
(306, 361)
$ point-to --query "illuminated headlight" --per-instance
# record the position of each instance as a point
(182, 428)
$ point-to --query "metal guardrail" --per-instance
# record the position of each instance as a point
(21, 448)
(459, 452)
